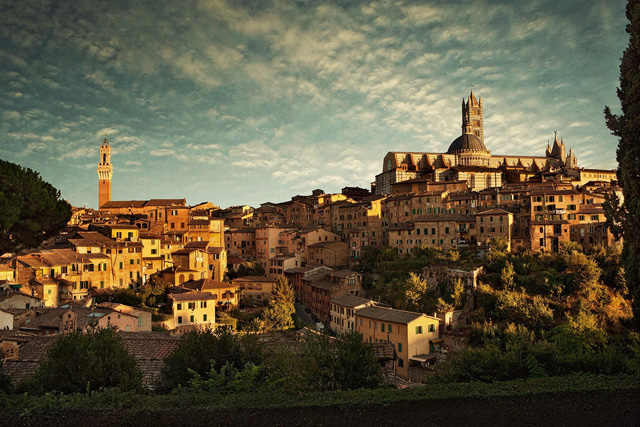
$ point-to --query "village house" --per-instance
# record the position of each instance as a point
(226, 295)
(256, 288)
(411, 333)
(192, 309)
(343, 308)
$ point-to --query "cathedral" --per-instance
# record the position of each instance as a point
(468, 161)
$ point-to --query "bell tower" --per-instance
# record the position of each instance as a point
(105, 172)
(472, 116)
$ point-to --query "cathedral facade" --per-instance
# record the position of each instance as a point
(468, 160)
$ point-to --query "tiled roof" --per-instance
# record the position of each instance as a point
(493, 212)
(344, 273)
(388, 314)
(348, 300)
(192, 296)
(444, 217)
(205, 284)
(149, 349)
(253, 279)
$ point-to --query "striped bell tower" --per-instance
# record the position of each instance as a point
(105, 172)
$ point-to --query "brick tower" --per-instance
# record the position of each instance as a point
(105, 172)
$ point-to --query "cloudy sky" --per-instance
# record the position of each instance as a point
(239, 102)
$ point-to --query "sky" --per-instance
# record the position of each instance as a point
(244, 102)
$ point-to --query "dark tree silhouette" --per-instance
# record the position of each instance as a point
(31, 209)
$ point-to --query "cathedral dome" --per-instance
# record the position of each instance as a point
(466, 142)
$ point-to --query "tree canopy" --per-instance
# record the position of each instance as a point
(278, 315)
(31, 209)
(625, 219)
(78, 362)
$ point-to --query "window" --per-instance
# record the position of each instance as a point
(204, 317)
(179, 319)
(400, 363)
(432, 328)
(418, 329)
(192, 306)
(179, 306)
(382, 327)
(399, 347)
(203, 304)
(191, 318)
(389, 328)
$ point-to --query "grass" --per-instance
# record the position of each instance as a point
(115, 400)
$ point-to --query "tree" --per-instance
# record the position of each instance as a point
(278, 314)
(507, 276)
(31, 209)
(627, 128)
(204, 350)
(5, 381)
(345, 363)
(78, 362)
(415, 288)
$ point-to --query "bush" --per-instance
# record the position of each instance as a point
(79, 362)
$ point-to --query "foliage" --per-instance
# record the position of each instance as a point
(414, 290)
(518, 308)
(203, 350)
(79, 362)
(626, 218)
(5, 381)
(278, 313)
(345, 363)
(127, 296)
(230, 379)
(31, 209)
(251, 269)
(507, 276)
(152, 291)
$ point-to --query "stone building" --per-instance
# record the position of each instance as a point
(468, 160)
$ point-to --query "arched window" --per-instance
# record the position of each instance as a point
(181, 278)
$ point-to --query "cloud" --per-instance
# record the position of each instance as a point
(106, 131)
(162, 152)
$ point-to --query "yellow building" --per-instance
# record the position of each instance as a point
(411, 333)
(257, 288)
(193, 309)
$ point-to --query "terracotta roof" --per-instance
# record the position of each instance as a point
(192, 296)
(444, 217)
(205, 284)
(253, 279)
(348, 300)
(149, 349)
(388, 314)
(327, 244)
(167, 202)
(493, 212)
(344, 273)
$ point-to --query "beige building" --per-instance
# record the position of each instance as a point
(257, 288)
(343, 308)
(411, 333)
(193, 309)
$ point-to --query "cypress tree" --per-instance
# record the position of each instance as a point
(625, 218)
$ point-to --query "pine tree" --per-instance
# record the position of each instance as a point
(278, 314)
(627, 128)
